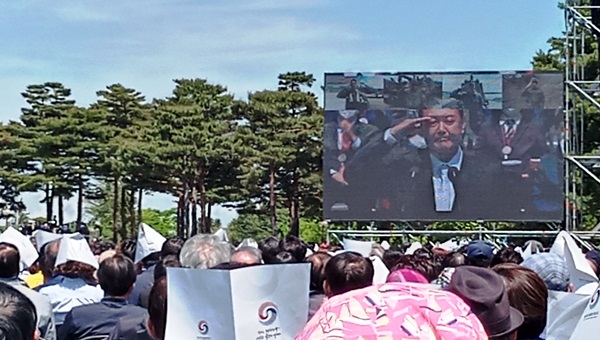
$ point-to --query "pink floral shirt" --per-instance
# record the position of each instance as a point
(397, 310)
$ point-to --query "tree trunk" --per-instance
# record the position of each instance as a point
(115, 222)
(131, 210)
(272, 203)
(61, 211)
(186, 208)
(194, 209)
(295, 206)
(49, 202)
(209, 215)
(180, 229)
(139, 207)
(203, 201)
(123, 212)
(79, 202)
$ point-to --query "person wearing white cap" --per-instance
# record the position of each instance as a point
(73, 283)
(9, 270)
(148, 249)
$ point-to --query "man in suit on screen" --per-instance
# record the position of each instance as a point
(348, 145)
(444, 181)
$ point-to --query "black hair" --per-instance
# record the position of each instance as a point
(161, 267)
(392, 256)
(295, 246)
(506, 255)
(284, 257)
(454, 259)
(127, 248)
(116, 275)
(317, 261)
(157, 307)
(10, 260)
(172, 246)
(348, 271)
(47, 259)
(18, 316)
(269, 248)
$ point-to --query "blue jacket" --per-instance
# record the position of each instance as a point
(98, 318)
(141, 289)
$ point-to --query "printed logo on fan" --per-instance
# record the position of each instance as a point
(267, 313)
(203, 327)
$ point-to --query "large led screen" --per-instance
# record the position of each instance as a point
(444, 146)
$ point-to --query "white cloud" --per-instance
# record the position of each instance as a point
(79, 12)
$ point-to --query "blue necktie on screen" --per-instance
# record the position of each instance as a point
(509, 129)
(443, 189)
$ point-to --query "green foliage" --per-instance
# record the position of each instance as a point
(283, 149)
(165, 222)
(262, 156)
(257, 226)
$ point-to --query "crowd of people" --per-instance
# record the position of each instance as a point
(107, 291)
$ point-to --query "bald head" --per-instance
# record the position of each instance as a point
(247, 255)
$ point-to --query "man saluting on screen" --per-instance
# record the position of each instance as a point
(445, 181)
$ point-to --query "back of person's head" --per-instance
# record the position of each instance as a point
(76, 269)
(247, 255)
(377, 250)
(421, 265)
(317, 261)
(479, 254)
(506, 255)
(106, 254)
(48, 255)
(9, 260)
(392, 256)
(116, 275)
(423, 253)
(283, 257)
(454, 259)
(269, 247)
(484, 291)
(157, 309)
(528, 293)
(347, 271)
(161, 267)
(151, 259)
(231, 266)
(552, 268)
(18, 316)
(172, 246)
(294, 246)
(127, 248)
(204, 251)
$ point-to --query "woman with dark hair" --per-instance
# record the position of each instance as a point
(506, 255)
(72, 285)
(421, 265)
(157, 309)
(527, 293)
(73, 282)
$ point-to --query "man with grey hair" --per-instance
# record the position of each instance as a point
(204, 251)
(246, 255)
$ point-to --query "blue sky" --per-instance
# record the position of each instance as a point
(245, 44)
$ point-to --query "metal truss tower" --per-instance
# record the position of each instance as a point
(580, 34)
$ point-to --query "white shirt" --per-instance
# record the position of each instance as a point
(65, 293)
